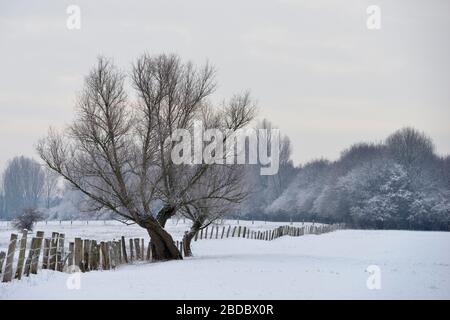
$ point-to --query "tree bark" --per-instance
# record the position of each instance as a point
(165, 214)
(188, 236)
(163, 246)
(187, 239)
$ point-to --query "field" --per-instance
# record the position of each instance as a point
(413, 265)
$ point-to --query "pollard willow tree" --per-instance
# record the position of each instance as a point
(172, 96)
(117, 152)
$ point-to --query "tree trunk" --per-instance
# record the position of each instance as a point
(188, 236)
(163, 246)
(165, 214)
(187, 239)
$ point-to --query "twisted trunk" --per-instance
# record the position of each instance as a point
(165, 214)
(162, 244)
(188, 236)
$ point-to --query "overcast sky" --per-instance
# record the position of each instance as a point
(315, 69)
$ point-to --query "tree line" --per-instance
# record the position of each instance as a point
(400, 183)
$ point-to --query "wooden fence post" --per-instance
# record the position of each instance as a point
(201, 234)
(228, 231)
(94, 255)
(149, 251)
(112, 253)
(103, 251)
(53, 248)
(37, 252)
(71, 253)
(2, 258)
(20, 261)
(131, 250)
(234, 230)
(142, 249)
(108, 254)
(196, 236)
(217, 232)
(7, 276)
(86, 251)
(27, 269)
(239, 232)
(243, 233)
(138, 249)
(223, 231)
(124, 250)
(61, 256)
(78, 257)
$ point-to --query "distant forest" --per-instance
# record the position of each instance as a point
(400, 183)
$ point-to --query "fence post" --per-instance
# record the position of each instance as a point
(46, 253)
(10, 258)
(228, 231)
(142, 249)
(131, 250)
(149, 252)
(108, 255)
(20, 261)
(137, 249)
(86, 251)
(2, 258)
(37, 252)
(124, 250)
(94, 255)
(112, 253)
(212, 231)
(27, 269)
(53, 248)
(60, 252)
(234, 231)
(217, 232)
(223, 231)
(71, 253)
(78, 252)
(201, 234)
(104, 256)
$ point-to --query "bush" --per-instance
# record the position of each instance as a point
(26, 219)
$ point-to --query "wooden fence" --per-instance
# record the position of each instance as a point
(214, 232)
(87, 255)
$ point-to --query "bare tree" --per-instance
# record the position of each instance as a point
(410, 148)
(26, 219)
(119, 153)
(217, 193)
(106, 155)
(23, 184)
(171, 96)
(50, 186)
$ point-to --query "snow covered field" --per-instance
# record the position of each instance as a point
(413, 265)
(110, 229)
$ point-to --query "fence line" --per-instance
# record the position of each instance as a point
(88, 255)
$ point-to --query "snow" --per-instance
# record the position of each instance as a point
(101, 230)
(413, 265)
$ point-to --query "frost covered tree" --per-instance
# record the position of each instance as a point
(400, 183)
(23, 185)
(171, 96)
(117, 153)
(217, 193)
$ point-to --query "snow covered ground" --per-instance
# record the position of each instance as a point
(413, 265)
(110, 229)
